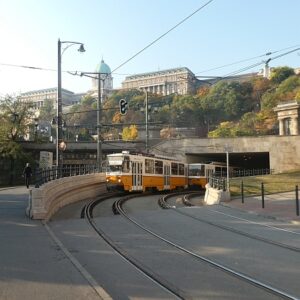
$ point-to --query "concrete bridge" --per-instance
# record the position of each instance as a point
(280, 153)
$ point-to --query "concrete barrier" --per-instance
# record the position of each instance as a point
(50, 197)
(214, 196)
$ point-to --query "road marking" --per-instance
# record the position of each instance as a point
(257, 223)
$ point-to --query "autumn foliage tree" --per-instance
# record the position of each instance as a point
(130, 133)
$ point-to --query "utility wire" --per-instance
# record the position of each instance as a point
(247, 59)
(253, 65)
(33, 68)
(27, 67)
(160, 37)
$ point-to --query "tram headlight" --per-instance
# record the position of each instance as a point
(119, 180)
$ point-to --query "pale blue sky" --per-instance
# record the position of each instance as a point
(223, 32)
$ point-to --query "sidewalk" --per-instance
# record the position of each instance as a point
(32, 265)
(277, 206)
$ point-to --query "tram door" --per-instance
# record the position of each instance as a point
(137, 176)
(209, 171)
(167, 169)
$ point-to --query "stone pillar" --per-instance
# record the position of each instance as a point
(288, 113)
(294, 126)
(281, 127)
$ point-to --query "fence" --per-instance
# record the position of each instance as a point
(218, 183)
(45, 175)
(250, 172)
(284, 191)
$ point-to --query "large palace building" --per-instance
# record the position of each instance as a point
(172, 81)
(38, 97)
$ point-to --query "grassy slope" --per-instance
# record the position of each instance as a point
(272, 183)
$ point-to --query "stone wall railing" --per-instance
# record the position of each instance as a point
(49, 198)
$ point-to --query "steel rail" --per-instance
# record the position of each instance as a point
(239, 275)
(88, 213)
(240, 232)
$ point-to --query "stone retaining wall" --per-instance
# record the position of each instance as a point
(50, 197)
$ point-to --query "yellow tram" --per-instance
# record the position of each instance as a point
(200, 173)
(139, 172)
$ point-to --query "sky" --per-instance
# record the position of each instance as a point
(221, 33)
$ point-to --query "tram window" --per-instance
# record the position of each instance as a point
(126, 165)
(174, 168)
(149, 166)
(158, 167)
(114, 168)
(181, 169)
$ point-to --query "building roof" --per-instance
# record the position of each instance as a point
(159, 73)
(49, 90)
(103, 68)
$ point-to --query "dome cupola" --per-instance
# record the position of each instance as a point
(103, 68)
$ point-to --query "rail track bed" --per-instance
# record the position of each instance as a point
(185, 253)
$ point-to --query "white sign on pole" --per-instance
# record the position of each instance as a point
(46, 159)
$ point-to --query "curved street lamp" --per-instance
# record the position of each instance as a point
(59, 134)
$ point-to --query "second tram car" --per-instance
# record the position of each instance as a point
(199, 173)
(137, 172)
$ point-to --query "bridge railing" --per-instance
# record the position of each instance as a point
(251, 172)
(218, 183)
(45, 175)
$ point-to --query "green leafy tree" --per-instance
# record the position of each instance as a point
(15, 122)
(286, 90)
(280, 74)
(225, 129)
(47, 111)
(227, 101)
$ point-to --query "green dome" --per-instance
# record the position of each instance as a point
(103, 68)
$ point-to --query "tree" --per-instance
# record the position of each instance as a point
(47, 112)
(130, 133)
(225, 129)
(280, 74)
(286, 90)
(16, 118)
(227, 101)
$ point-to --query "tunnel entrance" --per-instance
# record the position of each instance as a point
(245, 160)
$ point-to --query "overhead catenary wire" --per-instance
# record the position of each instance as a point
(248, 59)
(79, 73)
(252, 66)
(161, 36)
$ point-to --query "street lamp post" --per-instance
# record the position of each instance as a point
(99, 115)
(101, 78)
(146, 118)
(227, 167)
(147, 129)
(59, 134)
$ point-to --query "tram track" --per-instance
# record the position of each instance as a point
(185, 199)
(87, 212)
(118, 208)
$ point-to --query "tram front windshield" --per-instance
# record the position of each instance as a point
(114, 169)
(196, 170)
(118, 164)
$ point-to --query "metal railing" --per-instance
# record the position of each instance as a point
(250, 172)
(218, 183)
(45, 175)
